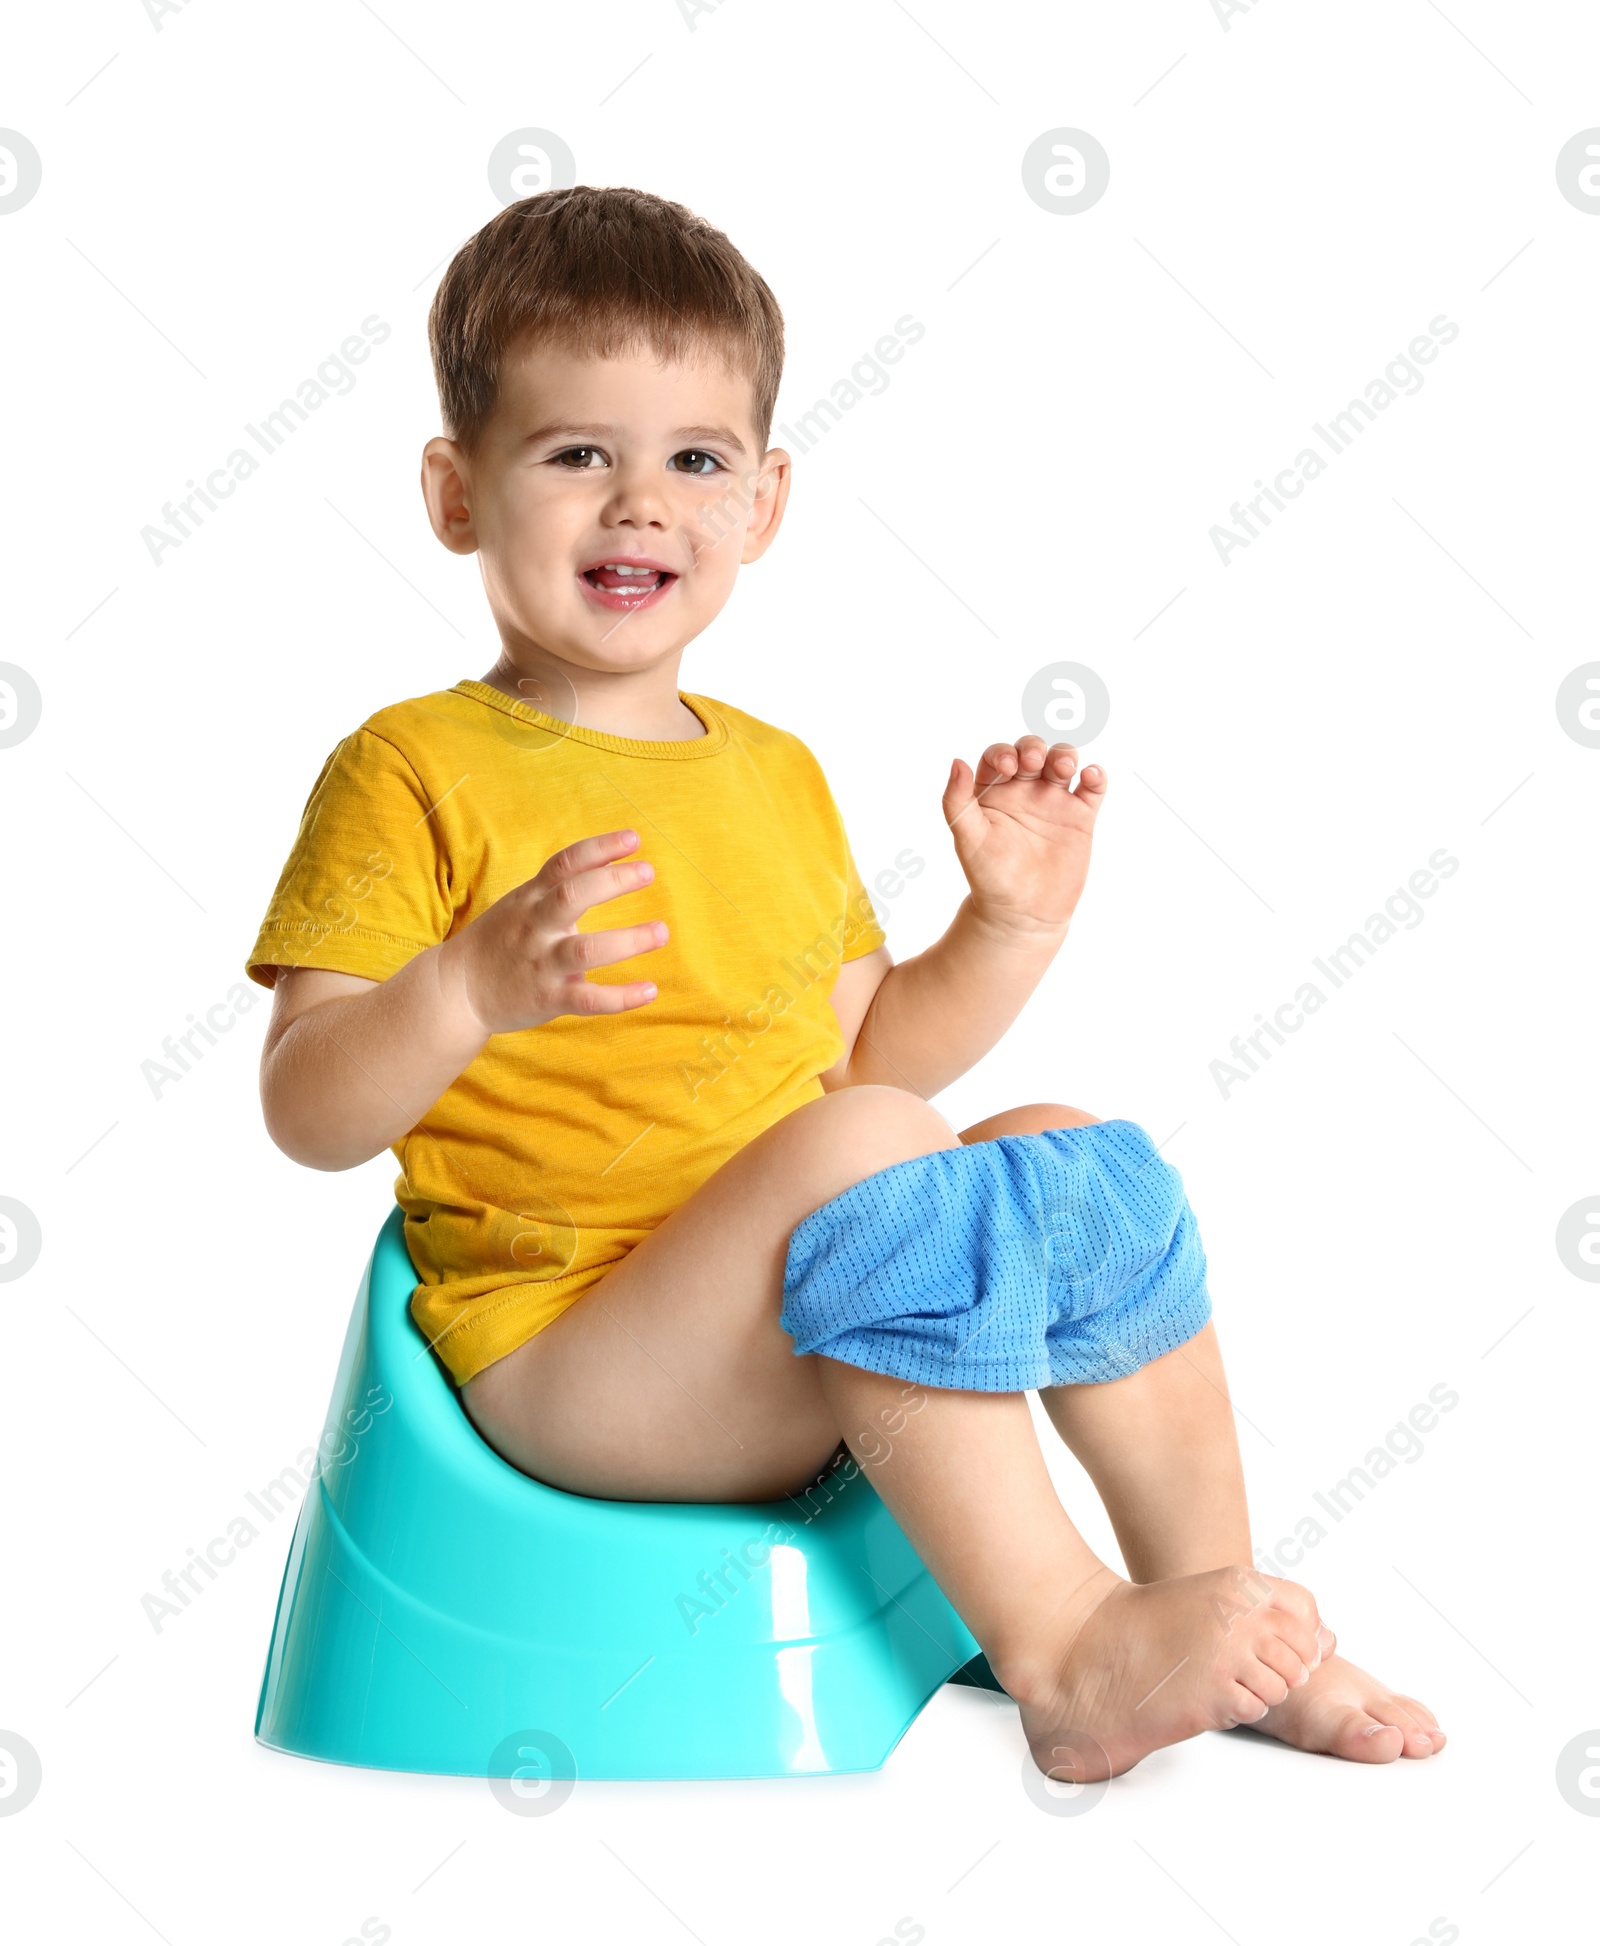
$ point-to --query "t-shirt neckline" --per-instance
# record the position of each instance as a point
(672, 749)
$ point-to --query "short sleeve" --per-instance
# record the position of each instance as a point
(366, 887)
(862, 933)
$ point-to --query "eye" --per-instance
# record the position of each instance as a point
(579, 458)
(692, 460)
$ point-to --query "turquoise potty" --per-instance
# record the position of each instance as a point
(441, 1612)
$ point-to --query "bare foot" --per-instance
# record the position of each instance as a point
(1142, 1665)
(1347, 1713)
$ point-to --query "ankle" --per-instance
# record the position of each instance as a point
(1027, 1658)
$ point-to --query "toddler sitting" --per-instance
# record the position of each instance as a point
(591, 954)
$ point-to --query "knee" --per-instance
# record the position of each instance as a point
(1033, 1119)
(854, 1132)
(889, 1123)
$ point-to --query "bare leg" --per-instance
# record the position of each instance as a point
(1104, 1671)
(673, 1380)
(1161, 1449)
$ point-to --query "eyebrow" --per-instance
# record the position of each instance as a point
(565, 429)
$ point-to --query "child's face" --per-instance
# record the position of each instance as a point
(590, 462)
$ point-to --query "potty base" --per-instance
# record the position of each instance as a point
(441, 1612)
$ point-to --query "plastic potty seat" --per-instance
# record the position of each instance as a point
(442, 1612)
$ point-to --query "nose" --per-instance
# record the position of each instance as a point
(637, 498)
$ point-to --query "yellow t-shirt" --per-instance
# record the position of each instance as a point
(560, 1147)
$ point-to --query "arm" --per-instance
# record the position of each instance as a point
(349, 1065)
(1022, 835)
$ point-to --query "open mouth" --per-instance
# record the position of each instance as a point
(619, 584)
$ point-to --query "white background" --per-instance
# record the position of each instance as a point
(1370, 680)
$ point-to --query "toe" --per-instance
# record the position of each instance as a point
(1362, 1738)
(1416, 1722)
(1421, 1738)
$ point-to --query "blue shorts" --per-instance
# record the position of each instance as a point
(1066, 1258)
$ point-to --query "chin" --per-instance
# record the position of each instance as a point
(617, 655)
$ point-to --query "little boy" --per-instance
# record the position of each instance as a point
(590, 953)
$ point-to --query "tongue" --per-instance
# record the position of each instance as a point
(633, 583)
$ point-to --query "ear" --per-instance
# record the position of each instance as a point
(766, 510)
(445, 493)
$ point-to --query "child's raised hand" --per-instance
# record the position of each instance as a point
(1022, 832)
(524, 962)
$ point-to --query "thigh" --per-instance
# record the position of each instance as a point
(1033, 1119)
(672, 1379)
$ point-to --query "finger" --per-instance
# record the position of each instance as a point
(1031, 754)
(963, 810)
(1284, 1660)
(579, 951)
(958, 792)
(1241, 1705)
(960, 796)
(585, 853)
(1296, 1620)
(1092, 785)
(997, 762)
(590, 997)
(1263, 1680)
(581, 890)
(1060, 762)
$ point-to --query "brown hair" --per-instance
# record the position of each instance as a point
(600, 271)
